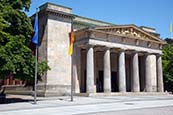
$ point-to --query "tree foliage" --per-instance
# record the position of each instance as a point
(15, 36)
(168, 63)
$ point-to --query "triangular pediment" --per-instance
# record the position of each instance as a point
(131, 31)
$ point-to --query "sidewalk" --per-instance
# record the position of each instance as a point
(80, 105)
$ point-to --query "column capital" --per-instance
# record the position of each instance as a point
(146, 53)
(90, 46)
(106, 48)
(121, 50)
(116, 50)
(156, 54)
(159, 55)
(134, 51)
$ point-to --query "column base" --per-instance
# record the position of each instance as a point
(154, 88)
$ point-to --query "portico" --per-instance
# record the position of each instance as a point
(117, 59)
(107, 58)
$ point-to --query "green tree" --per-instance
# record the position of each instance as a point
(168, 64)
(15, 36)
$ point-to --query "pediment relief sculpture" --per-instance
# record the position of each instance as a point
(132, 32)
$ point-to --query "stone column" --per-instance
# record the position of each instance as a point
(122, 72)
(77, 52)
(148, 71)
(135, 73)
(90, 70)
(107, 71)
(159, 74)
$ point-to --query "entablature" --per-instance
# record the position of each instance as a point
(114, 37)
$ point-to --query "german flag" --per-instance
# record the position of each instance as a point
(70, 50)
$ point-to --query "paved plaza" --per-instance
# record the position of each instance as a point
(88, 105)
(146, 111)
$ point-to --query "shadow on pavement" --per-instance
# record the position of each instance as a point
(13, 100)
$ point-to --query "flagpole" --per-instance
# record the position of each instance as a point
(71, 80)
(35, 83)
(171, 35)
(36, 56)
(72, 66)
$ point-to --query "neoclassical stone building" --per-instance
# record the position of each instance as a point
(107, 58)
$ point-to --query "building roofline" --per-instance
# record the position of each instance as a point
(147, 27)
(92, 19)
(43, 6)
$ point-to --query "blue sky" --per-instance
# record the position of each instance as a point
(152, 13)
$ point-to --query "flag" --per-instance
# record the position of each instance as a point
(70, 50)
(170, 29)
(35, 37)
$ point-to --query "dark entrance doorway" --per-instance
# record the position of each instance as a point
(100, 82)
(142, 73)
(114, 82)
(83, 83)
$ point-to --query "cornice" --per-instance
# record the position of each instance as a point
(59, 13)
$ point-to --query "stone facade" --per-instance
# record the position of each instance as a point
(106, 58)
